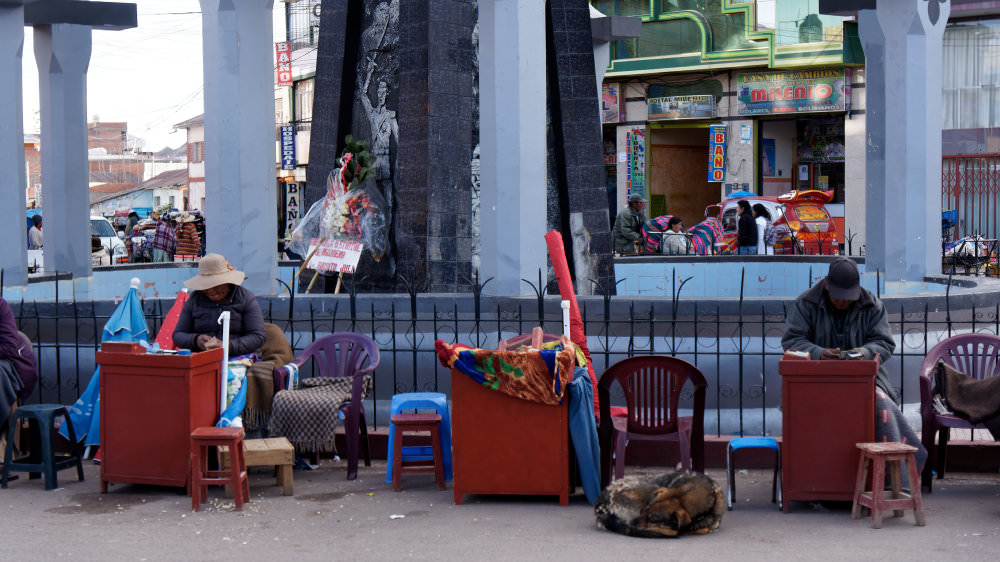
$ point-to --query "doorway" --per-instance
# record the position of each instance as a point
(679, 174)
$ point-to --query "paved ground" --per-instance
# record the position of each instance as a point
(331, 518)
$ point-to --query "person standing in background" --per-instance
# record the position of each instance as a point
(188, 241)
(746, 230)
(35, 233)
(628, 226)
(164, 240)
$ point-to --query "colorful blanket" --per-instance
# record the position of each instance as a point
(536, 375)
(705, 234)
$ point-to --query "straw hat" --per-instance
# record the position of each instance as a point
(184, 217)
(214, 270)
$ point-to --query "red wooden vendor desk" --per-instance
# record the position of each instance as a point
(149, 406)
(827, 407)
(503, 445)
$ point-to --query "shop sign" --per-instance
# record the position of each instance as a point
(293, 195)
(283, 56)
(635, 149)
(337, 256)
(717, 153)
(610, 103)
(681, 107)
(800, 91)
(288, 147)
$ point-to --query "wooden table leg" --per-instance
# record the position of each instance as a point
(285, 479)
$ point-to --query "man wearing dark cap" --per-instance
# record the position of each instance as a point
(628, 225)
(838, 315)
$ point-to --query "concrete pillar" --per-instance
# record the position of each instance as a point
(854, 165)
(62, 52)
(513, 143)
(13, 257)
(240, 189)
(902, 42)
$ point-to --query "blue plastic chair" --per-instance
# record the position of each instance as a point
(421, 401)
(753, 443)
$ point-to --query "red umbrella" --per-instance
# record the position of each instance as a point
(165, 337)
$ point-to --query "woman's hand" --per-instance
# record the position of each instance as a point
(206, 342)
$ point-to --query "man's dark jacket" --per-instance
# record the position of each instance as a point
(811, 326)
(627, 229)
(201, 316)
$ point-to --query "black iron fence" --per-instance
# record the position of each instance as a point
(735, 342)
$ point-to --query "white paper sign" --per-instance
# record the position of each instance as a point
(338, 256)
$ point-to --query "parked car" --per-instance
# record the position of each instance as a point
(800, 218)
(113, 245)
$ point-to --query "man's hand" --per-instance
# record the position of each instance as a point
(830, 353)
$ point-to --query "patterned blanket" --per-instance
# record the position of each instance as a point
(536, 375)
(308, 416)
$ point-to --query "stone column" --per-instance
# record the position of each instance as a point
(513, 143)
(240, 189)
(902, 42)
(62, 52)
(13, 257)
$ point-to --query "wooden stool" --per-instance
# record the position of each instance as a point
(876, 500)
(236, 476)
(274, 451)
(409, 423)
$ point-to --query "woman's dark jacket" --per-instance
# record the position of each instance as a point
(746, 231)
(201, 316)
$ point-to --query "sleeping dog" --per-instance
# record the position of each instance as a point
(663, 506)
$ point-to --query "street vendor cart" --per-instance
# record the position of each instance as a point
(150, 404)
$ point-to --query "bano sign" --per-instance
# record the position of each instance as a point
(717, 153)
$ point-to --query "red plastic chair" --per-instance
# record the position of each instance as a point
(347, 354)
(652, 385)
(977, 355)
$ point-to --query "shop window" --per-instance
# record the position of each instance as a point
(820, 155)
(971, 88)
(729, 218)
(304, 100)
(197, 152)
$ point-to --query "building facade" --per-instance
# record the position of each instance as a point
(195, 128)
(719, 96)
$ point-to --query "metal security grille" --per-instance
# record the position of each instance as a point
(970, 184)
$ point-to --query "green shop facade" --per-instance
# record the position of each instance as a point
(719, 96)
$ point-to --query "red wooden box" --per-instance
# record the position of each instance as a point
(149, 406)
(502, 445)
(827, 407)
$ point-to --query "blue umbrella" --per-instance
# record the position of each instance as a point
(128, 324)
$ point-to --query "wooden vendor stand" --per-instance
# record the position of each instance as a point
(150, 403)
(827, 407)
(503, 445)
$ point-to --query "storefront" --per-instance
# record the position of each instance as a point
(800, 130)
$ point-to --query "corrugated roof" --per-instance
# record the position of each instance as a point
(197, 120)
(170, 178)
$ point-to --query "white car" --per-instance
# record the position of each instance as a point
(113, 245)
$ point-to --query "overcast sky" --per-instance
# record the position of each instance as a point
(150, 76)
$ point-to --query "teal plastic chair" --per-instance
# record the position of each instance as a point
(43, 459)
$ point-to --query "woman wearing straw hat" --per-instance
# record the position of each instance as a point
(188, 241)
(217, 289)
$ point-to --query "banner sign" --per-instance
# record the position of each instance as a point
(283, 54)
(681, 107)
(288, 147)
(610, 103)
(717, 153)
(635, 156)
(293, 193)
(337, 256)
(800, 91)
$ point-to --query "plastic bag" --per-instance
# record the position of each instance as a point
(354, 215)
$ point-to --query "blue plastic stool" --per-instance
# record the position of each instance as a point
(43, 459)
(436, 401)
(753, 443)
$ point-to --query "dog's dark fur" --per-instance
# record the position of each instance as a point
(664, 506)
